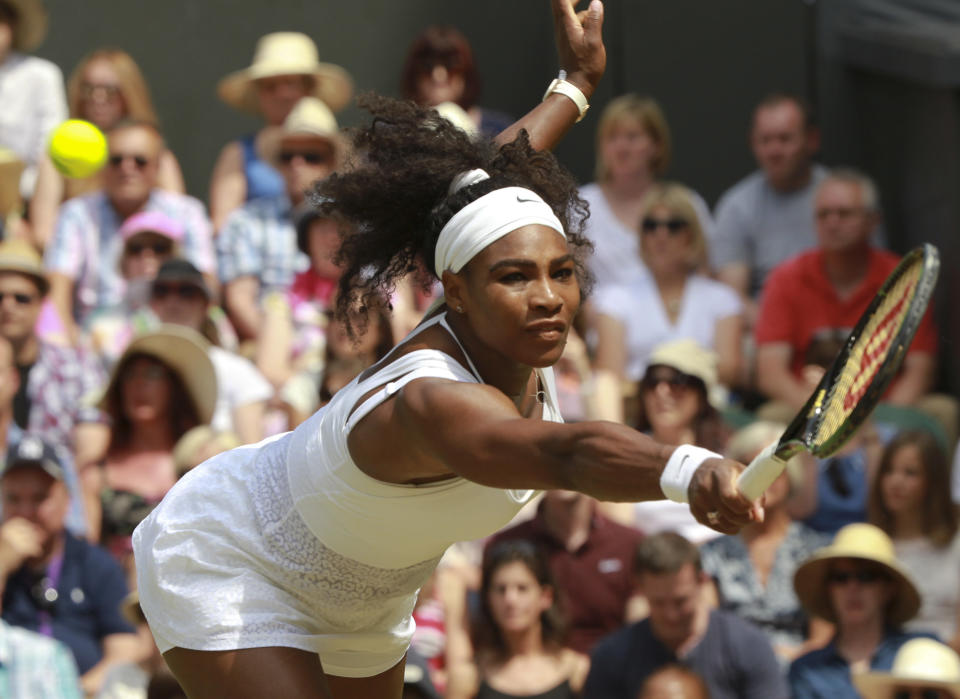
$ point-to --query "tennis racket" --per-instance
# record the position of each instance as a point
(858, 377)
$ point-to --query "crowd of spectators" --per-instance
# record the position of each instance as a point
(143, 330)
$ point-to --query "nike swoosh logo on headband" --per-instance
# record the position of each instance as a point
(526, 201)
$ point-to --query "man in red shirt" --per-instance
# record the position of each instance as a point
(811, 302)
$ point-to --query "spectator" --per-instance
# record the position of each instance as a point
(54, 381)
(439, 69)
(105, 87)
(518, 637)
(674, 682)
(84, 254)
(819, 295)
(163, 385)
(753, 571)
(591, 558)
(285, 68)
(31, 88)
(922, 669)
(180, 297)
(910, 501)
(673, 302)
(54, 583)
(768, 216)
(732, 656)
(35, 666)
(258, 243)
(856, 583)
(633, 151)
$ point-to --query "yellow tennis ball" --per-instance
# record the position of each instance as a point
(78, 148)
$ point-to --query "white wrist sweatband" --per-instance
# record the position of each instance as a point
(568, 89)
(682, 464)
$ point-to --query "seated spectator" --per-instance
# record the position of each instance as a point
(53, 381)
(54, 583)
(753, 571)
(822, 293)
(105, 87)
(767, 217)
(285, 68)
(910, 501)
(163, 385)
(677, 405)
(857, 584)
(83, 257)
(673, 302)
(633, 152)
(591, 557)
(31, 90)
(180, 297)
(674, 682)
(732, 656)
(36, 666)
(518, 637)
(922, 669)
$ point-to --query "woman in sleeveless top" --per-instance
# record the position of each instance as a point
(518, 649)
(291, 567)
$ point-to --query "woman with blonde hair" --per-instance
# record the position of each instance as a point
(105, 87)
(673, 302)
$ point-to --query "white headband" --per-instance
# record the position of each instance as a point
(486, 220)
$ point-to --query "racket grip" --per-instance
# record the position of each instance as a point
(765, 468)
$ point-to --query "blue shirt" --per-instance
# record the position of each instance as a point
(262, 179)
(825, 674)
(87, 609)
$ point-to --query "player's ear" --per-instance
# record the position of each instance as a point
(453, 290)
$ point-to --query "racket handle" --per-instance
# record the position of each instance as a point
(765, 468)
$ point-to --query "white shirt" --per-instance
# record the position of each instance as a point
(936, 572)
(32, 103)
(239, 383)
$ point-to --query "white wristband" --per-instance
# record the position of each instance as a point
(568, 89)
(682, 464)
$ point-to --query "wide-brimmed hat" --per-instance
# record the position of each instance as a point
(184, 351)
(309, 117)
(863, 542)
(691, 358)
(920, 661)
(31, 26)
(17, 255)
(286, 53)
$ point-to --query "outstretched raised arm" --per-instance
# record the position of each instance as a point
(582, 57)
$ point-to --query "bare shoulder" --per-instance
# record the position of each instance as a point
(576, 666)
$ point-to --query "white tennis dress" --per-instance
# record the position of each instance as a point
(288, 543)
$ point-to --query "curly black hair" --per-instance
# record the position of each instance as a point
(392, 196)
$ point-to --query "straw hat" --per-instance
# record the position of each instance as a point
(867, 543)
(31, 27)
(691, 358)
(286, 53)
(921, 661)
(17, 255)
(309, 117)
(183, 350)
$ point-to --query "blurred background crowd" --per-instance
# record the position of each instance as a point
(150, 320)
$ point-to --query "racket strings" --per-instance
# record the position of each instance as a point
(867, 355)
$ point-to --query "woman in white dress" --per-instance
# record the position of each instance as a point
(291, 567)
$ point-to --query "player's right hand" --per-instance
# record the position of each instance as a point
(580, 42)
(715, 500)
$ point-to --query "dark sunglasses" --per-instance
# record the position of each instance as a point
(673, 225)
(160, 247)
(922, 693)
(184, 291)
(676, 380)
(864, 577)
(22, 299)
(141, 161)
(310, 157)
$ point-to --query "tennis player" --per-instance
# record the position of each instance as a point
(290, 568)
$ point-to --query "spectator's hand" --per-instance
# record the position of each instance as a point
(715, 500)
(580, 42)
(19, 540)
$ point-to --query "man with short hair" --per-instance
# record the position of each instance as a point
(84, 254)
(54, 583)
(813, 300)
(768, 216)
(732, 656)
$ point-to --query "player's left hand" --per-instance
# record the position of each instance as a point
(715, 500)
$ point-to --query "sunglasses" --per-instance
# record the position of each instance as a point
(22, 299)
(311, 157)
(673, 225)
(919, 693)
(186, 292)
(160, 247)
(676, 380)
(864, 577)
(117, 159)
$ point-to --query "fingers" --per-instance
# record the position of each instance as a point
(593, 24)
